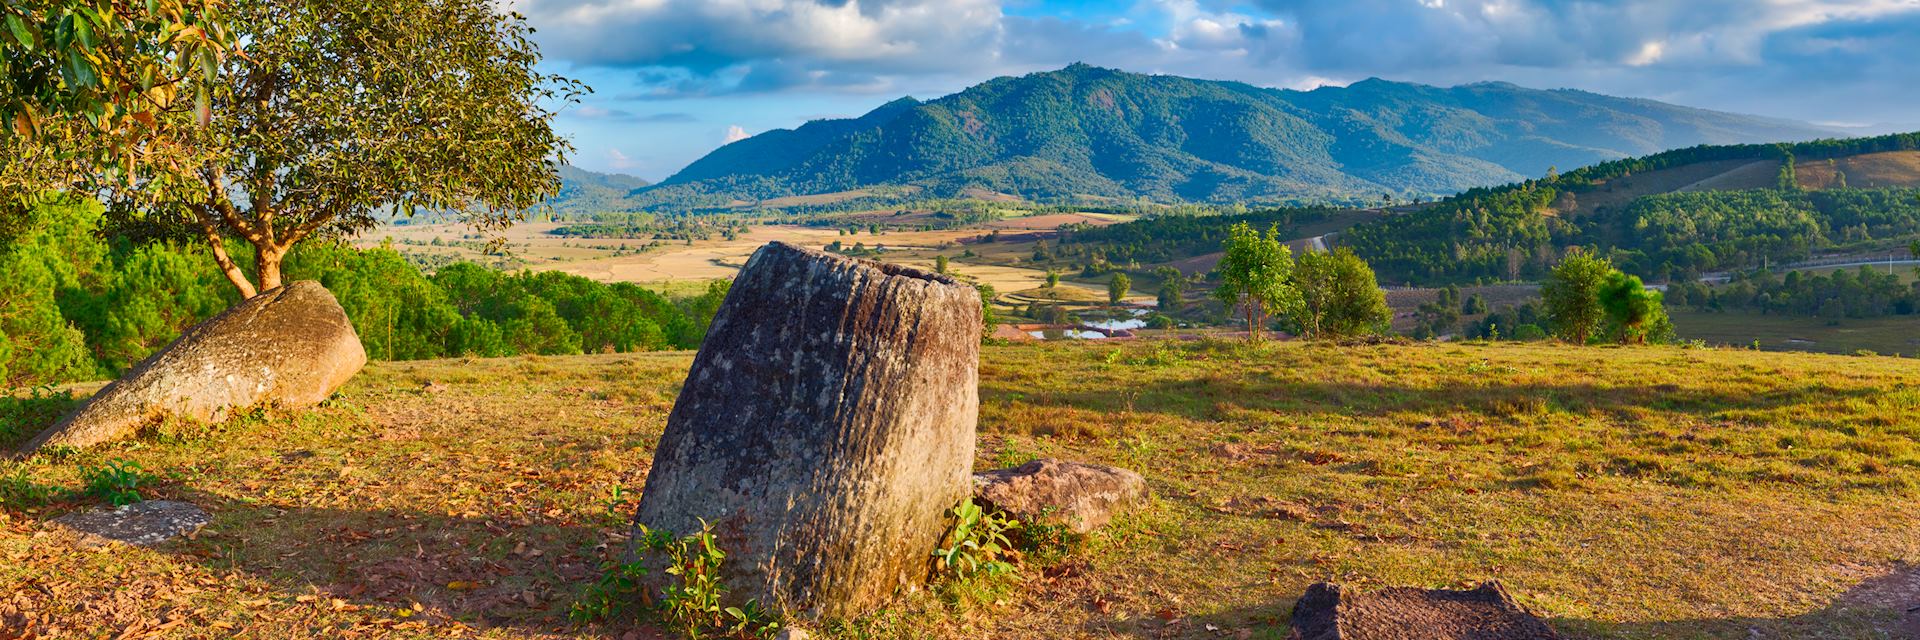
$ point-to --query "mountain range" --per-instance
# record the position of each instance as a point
(1089, 134)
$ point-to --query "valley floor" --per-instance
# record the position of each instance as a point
(1619, 492)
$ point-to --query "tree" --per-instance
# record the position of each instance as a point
(1634, 313)
(1255, 273)
(91, 87)
(1339, 295)
(1053, 279)
(1117, 288)
(341, 111)
(1476, 304)
(1172, 290)
(1572, 296)
(940, 264)
(989, 316)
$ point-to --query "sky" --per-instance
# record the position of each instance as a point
(675, 79)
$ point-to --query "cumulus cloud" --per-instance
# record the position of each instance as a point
(735, 133)
(701, 47)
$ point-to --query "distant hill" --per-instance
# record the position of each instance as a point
(583, 191)
(1672, 215)
(1089, 133)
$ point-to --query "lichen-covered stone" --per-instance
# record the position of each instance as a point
(143, 523)
(1327, 612)
(291, 346)
(1081, 497)
(825, 429)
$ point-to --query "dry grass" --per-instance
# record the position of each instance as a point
(1622, 492)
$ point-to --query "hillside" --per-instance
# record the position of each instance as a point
(583, 191)
(1671, 215)
(1619, 492)
(1087, 133)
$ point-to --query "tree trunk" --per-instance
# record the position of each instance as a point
(824, 431)
(267, 261)
(227, 266)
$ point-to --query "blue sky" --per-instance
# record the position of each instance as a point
(675, 79)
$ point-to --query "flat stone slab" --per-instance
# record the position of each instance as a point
(144, 524)
(1486, 612)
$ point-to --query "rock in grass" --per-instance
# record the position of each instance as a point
(142, 523)
(825, 430)
(1327, 612)
(291, 346)
(1081, 497)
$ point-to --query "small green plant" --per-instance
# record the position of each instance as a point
(690, 601)
(1043, 541)
(978, 543)
(18, 491)
(118, 482)
(22, 415)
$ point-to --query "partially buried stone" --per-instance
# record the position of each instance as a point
(1327, 612)
(1082, 497)
(144, 524)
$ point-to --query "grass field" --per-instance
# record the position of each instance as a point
(1621, 492)
(1889, 335)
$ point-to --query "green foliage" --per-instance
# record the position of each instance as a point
(1172, 296)
(1117, 288)
(1476, 304)
(1506, 232)
(84, 85)
(1339, 296)
(989, 315)
(940, 264)
(1572, 296)
(978, 543)
(1053, 279)
(691, 595)
(74, 306)
(22, 415)
(117, 482)
(341, 113)
(1255, 273)
(1634, 313)
(1172, 236)
(19, 490)
(1858, 293)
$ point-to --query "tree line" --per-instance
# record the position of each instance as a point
(77, 305)
(1865, 292)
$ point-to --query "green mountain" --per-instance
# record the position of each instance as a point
(1085, 132)
(583, 191)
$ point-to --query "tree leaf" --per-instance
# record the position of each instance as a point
(22, 31)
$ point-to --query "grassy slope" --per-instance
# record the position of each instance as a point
(1621, 492)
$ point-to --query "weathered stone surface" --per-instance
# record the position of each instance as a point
(1326, 612)
(144, 523)
(825, 429)
(292, 346)
(1083, 497)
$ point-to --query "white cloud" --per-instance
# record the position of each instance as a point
(735, 133)
(618, 160)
